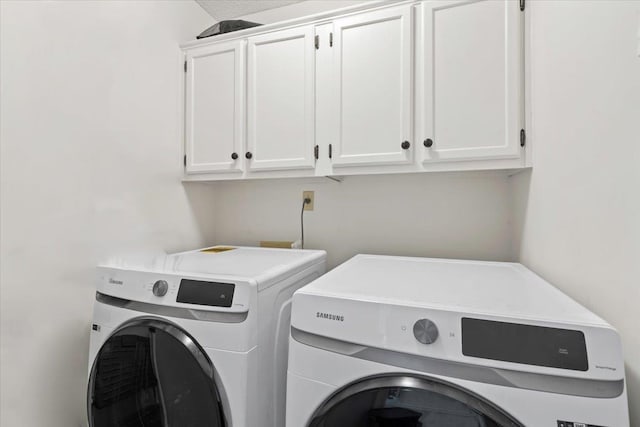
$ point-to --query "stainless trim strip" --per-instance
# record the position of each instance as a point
(602, 389)
(444, 388)
(164, 310)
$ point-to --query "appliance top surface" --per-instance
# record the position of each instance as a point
(495, 288)
(245, 262)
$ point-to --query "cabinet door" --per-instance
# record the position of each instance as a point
(372, 84)
(470, 80)
(280, 97)
(214, 113)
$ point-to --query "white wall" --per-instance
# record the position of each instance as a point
(434, 215)
(578, 212)
(90, 166)
(304, 8)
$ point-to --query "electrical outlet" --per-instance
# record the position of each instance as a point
(308, 195)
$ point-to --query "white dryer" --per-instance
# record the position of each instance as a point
(394, 341)
(195, 339)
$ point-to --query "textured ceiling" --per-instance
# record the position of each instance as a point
(230, 9)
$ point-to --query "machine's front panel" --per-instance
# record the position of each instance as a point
(576, 351)
(232, 335)
(316, 374)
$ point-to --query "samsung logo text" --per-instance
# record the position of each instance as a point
(328, 316)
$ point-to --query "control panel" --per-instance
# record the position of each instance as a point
(176, 290)
(527, 344)
(475, 338)
(199, 292)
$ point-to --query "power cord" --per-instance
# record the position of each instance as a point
(306, 201)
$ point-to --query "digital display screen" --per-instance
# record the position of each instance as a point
(205, 293)
(527, 344)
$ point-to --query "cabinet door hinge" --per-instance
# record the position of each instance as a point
(330, 151)
(185, 66)
(523, 138)
(316, 152)
(522, 4)
(317, 42)
(330, 39)
(184, 160)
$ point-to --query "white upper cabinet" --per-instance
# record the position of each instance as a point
(408, 86)
(280, 100)
(214, 108)
(469, 80)
(371, 81)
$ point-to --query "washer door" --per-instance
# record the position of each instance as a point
(152, 373)
(408, 401)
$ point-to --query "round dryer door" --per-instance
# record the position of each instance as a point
(152, 373)
(408, 401)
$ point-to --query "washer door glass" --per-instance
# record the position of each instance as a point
(408, 401)
(151, 373)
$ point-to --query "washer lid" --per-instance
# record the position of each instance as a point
(495, 288)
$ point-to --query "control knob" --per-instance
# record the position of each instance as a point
(425, 331)
(160, 288)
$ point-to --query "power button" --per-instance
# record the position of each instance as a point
(425, 331)
(160, 288)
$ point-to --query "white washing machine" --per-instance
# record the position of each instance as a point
(195, 339)
(407, 342)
